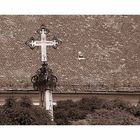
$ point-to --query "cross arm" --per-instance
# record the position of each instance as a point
(30, 43)
(57, 42)
(47, 43)
(51, 43)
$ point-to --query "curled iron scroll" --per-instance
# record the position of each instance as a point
(44, 79)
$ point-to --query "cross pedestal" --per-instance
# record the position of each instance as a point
(46, 101)
(49, 102)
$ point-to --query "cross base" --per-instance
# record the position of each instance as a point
(46, 101)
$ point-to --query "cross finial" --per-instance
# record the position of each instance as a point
(43, 42)
(43, 29)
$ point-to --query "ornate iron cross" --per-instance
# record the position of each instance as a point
(43, 42)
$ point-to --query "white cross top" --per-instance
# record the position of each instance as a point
(44, 43)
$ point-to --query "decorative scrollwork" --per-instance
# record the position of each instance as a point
(44, 79)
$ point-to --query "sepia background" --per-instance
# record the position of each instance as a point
(90, 7)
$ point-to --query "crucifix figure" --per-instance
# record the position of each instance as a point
(42, 80)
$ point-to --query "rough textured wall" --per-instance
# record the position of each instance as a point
(110, 44)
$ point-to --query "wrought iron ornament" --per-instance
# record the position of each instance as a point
(44, 79)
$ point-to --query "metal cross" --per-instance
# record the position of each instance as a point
(43, 42)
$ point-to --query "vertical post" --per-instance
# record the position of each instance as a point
(49, 102)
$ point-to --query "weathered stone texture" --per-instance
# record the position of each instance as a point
(110, 44)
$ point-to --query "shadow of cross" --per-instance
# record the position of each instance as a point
(43, 42)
